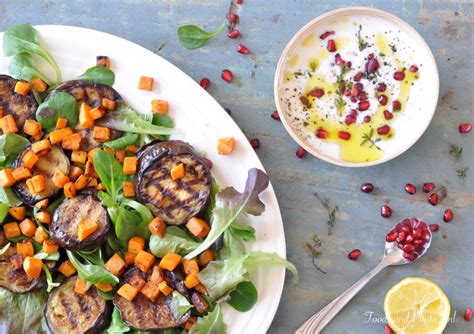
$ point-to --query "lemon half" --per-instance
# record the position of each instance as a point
(417, 306)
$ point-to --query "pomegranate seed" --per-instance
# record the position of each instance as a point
(321, 134)
(300, 152)
(396, 105)
(233, 34)
(358, 76)
(242, 49)
(255, 143)
(353, 113)
(354, 91)
(326, 34)
(383, 100)
(367, 188)
(465, 127)
(383, 130)
(364, 105)
(349, 119)
(387, 114)
(468, 314)
(348, 64)
(305, 101)
(413, 68)
(434, 227)
(275, 115)
(428, 187)
(367, 119)
(381, 87)
(331, 46)
(207, 162)
(372, 65)
(362, 96)
(410, 188)
(408, 248)
(448, 215)
(401, 237)
(339, 59)
(433, 199)
(409, 238)
(399, 75)
(388, 330)
(227, 110)
(227, 76)
(354, 254)
(317, 92)
(205, 82)
(410, 256)
(232, 17)
(392, 236)
(353, 99)
(386, 211)
(359, 86)
(239, 2)
(344, 135)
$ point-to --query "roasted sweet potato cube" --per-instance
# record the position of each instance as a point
(72, 142)
(80, 287)
(206, 257)
(157, 275)
(136, 244)
(128, 292)
(102, 61)
(109, 104)
(6, 178)
(116, 265)
(19, 212)
(40, 235)
(38, 85)
(33, 266)
(190, 266)
(8, 124)
(97, 112)
(130, 165)
(21, 173)
(41, 146)
(27, 228)
(11, 230)
(32, 127)
(165, 288)
(137, 281)
(106, 287)
(30, 159)
(61, 123)
(191, 281)
(159, 107)
(225, 145)
(25, 248)
(198, 227)
(170, 261)
(129, 189)
(57, 136)
(101, 134)
(22, 87)
(145, 83)
(67, 269)
(151, 291)
(144, 260)
(75, 172)
(157, 227)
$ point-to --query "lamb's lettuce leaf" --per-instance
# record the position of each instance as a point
(91, 273)
(11, 145)
(117, 325)
(231, 206)
(212, 323)
(8, 197)
(179, 304)
(175, 240)
(99, 75)
(222, 276)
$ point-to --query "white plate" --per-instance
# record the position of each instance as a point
(409, 125)
(201, 120)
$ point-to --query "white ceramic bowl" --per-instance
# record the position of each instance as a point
(419, 110)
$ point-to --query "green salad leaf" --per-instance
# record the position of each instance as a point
(8, 197)
(193, 37)
(244, 297)
(110, 173)
(93, 256)
(125, 222)
(57, 105)
(125, 118)
(49, 279)
(22, 67)
(99, 75)
(117, 325)
(175, 240)
(231, 246)
(222, 276)
(179, 304)
(47, 256)
(3, 212)
(232, 205)
(145, 217)
(122, 142)
(23, 38)
(91, 273)
(212, 323)
(11, 145)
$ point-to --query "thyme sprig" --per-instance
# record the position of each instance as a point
(313, 249)
(369, 138)
(331, 211)
(456, 152)
(362, 44)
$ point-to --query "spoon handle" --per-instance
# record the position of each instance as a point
(317, 322)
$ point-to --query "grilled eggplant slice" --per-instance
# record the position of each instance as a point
(143, 314)
(19, 106)
(88, 92)
(88, 142)
(174, 200)
(70, 313)
(46, 165)
(68, 215)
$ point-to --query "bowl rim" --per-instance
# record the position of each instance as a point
(356, 10)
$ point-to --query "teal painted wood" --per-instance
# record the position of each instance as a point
(266, 27)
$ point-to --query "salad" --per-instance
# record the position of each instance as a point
(106, 224)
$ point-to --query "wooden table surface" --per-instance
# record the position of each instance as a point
(266, 27)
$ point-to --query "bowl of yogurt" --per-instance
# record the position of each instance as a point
(356, 87)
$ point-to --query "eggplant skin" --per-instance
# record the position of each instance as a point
(68, 215)
(19, 106)
(67, 312)
(88, 92)
(46, 165)
(142, 313)
(176, 201)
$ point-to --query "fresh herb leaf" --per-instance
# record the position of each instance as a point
(110, 173)
(313, 250)
(91, 273)
(22, 67)
(145, 215)
(193, 37)
(122, 142)
(313, 66)
(340, 103)
(125, 118)
(117, 325)
(244, 297)
(362, 44)
(175, 240)
(230, 205)
(24, 38)
(456, 152)
(99, 75)
(8, 197)
(381, 54)
(179, 305)
(212, 323)
(331, 211)
(11, 145)
(163, 121)
(93, 256)
(368, 138)
(222, 276)
(57, 105)
(125, 222)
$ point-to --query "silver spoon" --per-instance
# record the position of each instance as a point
(393, 256)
